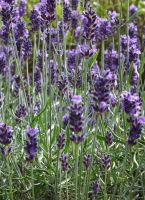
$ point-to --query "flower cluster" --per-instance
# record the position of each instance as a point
(106, 162)
(20, 112)
(76, 119)
(111, 59)
(102, 92)
(87, 161)
(6, 133)
(64, 162)
(89, 24)
(31, 143)
(61, 141)
(131, 104)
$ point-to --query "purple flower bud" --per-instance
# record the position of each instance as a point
(37, 74)
(2, 63)
(21, 111)
(74, 4)
(132, 30)
(87, 161)
(22, 7)
(131, 104)
(61, 141)
(76, 118)
(35, 20)
(62, 85)
(5, 134)
(111, 60)
(106, 161)
(132, 9)
(26, 48)
(95, 187)
(66, 12)
(77, 138)
(64, 162)
(103, 86)
(90, 24)
(87, 51)
(104, 29)
(108, 139)
(37, 107)
(31, 143)
(74, 19)
(65, 120)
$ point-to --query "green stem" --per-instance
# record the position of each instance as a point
(105, 190)
(32, 179)
(56, 176)
(84, 188)
(67, 196)
(10, 178)
(76, 171)
(60, 185)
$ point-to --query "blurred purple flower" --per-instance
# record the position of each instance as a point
(31, 143)
(64, 162)
(61, 141)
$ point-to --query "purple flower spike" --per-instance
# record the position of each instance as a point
(21, 112)
(95, 187)
(35, 20)
(32, 132)
(66, 12)
(5, 134)
(22, 8)
(111, 59)
(77, 138)
(89, 24)
(31, 143)
(108, 139)
(61, 141)
(87, 161)
(5, 138)
(106, 161)
(74, 4)
(64, 162)
(103, 86)
(131, 104)
(74, 19)
(76, 118)
(132, 9)
(2, 63)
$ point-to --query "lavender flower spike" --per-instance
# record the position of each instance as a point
(5, 137)
(61, 141)
(76, 114)
(31, 143)
(64, 162)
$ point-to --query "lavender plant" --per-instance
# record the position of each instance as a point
(77, 74)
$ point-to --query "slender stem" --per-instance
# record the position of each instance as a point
(105, 190)
(76, 171)
(67, 196)
(56, 175)
(84, 188)
(60, 185)
(10, 178)
(32, 179)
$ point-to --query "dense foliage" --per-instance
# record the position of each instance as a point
(72, 100)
